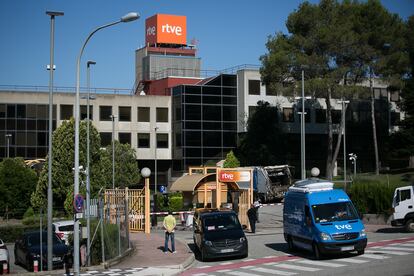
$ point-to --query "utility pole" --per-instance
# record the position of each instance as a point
(113, 150)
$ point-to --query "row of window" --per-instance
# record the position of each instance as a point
(143, 139)
(40, 112)
(254, 89)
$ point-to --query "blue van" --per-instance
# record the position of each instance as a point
(321, 219)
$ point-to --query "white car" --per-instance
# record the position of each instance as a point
(63, 229)
(4, 256)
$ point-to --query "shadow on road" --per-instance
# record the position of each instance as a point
(198, 256)
(391, 230)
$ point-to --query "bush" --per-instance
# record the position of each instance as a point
(170, 202)
(10, 233)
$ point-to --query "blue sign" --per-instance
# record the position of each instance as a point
(163, 189)
(78, 203)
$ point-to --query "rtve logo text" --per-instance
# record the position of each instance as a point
(177, 30)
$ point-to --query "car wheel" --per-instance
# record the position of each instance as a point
(316, 252)
(291, 246)
(409, 225)
(361, 252)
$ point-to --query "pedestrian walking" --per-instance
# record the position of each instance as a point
(169, 226)
(257, 205)
(252, 215)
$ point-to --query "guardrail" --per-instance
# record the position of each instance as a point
(63, 89)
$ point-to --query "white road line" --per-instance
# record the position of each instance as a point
(204, 266)
(388, 252)
(407, 244)
(397, 248)
(297, 267)
(373, 256)
(248, 267)
(320, 263)
(224, 270)
(249, 260)
(200, 274)
(271, 263)
(273, 271)
(115, 269)
(226, 263)
(352, 261)
(240, 273)
(268, 257)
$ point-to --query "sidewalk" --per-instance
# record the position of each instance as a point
(149, 254)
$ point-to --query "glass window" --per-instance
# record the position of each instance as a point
(31, 111)
(270, 91)
(162, 140)
(334, 212)
(192, 138)
(254, 87)
(307, 115)
(125, 114)
(21, 124)
(211, 99)
(192, 112)
(212, 138)
(395, 96)
(84, 112)
(42, 125)
(21, 111)
(336, 116)
(143, 114)
(405, 194)
(192, 99)
(162, 114)
(11, 111)
(42, 138)
(2, 111)
(229, 113)
(125, 138)
(31, 138)
(42, 111)
(288, 114)
(66, 111)
(252, 110)
(320, 115)
(106, 138)
(20, 138)
(105, 113)
(212, 112)
(143, 140)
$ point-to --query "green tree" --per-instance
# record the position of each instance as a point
(17, 182)
(263, 143)
(331, 43)
(231, 161)
(126, 167)
(63, 164)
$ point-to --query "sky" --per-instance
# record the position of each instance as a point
(228, 33)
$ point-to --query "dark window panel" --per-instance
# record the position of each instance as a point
(229, 113)
(42, 138)
(288, 114)
(162, 140)
(212, 139)
(42, 125)
(42, 111)
(31, 152)
(211, 99)
(42, 152)
(66, 111)
(193, 152)
(229, 91)
(254, 87)
(229, 80)
(320, 116)
(143, 140)
(11, 124)
(192, 125)
(124, 114)
(162, 114)
(105, 113)
(336, 116)
(177, 113)
(230, 100)
(192, 99)
(143, 114)
(84, 112)
(20, 138)
(192, 90)
(2, 124)
(192, 112)
(178, 139)
(21, 124)
(211, 90)
(212, 113)
(229, 139)
(31, 124)
(11, 111)
(106, 138)
(21, 111)
(212, 125)
(125, 138)
(2, 111)
(192, 138)
(31, 138)
(212, 152)
(21, 152)
(31, 111)
(230, 126)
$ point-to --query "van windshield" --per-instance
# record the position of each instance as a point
(334, 212)
(221, 222)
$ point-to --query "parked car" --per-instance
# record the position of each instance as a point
(218, 234)
(27, 249)
(4, 257)
(63, 229)
(403, 206)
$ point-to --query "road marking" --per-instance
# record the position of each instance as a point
(226, 263)
(397, 248)
(249, 260)
(297, 267)
(352, 261)
(224, 270)
(272, 271)
(204, 266)
(388, 252)
(373, 256)
(407, 244)
(240, 273)
(320, 263)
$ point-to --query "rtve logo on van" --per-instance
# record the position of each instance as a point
(344, 226)
(165, 28)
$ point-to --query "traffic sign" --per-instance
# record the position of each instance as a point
(163, 189)
(78, 203)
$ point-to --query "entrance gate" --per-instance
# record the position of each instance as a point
(118, 202)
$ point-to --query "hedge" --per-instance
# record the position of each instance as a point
(10, 233)
(170, 202)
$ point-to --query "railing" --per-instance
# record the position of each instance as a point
(63, 89)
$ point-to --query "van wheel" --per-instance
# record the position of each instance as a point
(361, 252)
(409, 225)
(291, 246)
(316, 252)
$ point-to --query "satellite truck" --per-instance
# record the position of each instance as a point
(321, 219)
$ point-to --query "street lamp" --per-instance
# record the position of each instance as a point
(52, 15)
(8, 136)
(302, 127)
(155, 180)
(146, 172)
(113, 117)
(88, 170)
(126, 18)
(343, 111)
(353, 157)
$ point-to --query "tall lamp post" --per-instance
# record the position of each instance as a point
(88, 185)
(113, 117)
(52, 15)
(154, 223)
(302, 128)
(146, 172)
(126, 18)
(344, 103)
(8, 136)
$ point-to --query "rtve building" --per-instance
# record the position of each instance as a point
(181, 116)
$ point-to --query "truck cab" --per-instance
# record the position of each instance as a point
(403, 205)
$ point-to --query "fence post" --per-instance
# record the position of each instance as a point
(41, 237)
(147, 206)
(127, 215)
(119, 229)
(101, 206)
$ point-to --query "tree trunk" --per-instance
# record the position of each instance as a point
(374, 128)
(329, 163)
(338, 142)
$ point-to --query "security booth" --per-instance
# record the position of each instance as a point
(212, 187)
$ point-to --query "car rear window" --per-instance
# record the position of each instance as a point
(66, 228)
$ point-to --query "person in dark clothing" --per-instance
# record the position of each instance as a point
(252, 215)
